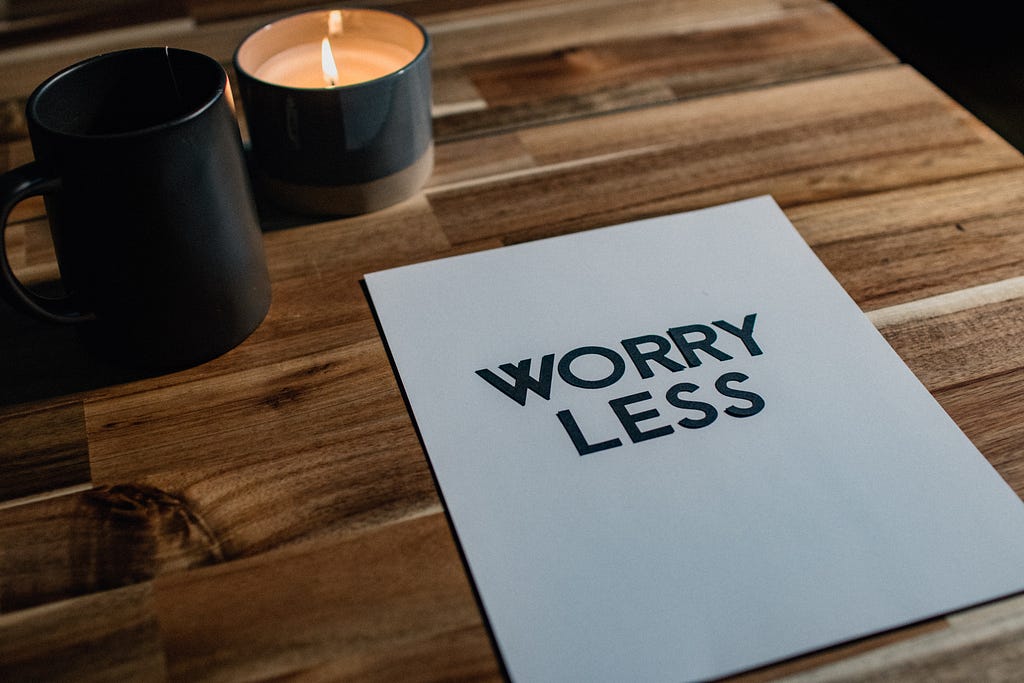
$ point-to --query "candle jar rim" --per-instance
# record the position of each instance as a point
(397, 73)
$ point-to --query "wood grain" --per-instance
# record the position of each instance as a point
(791, 141)
(506, 30)
(34, 21)
(96, 540)
(103, 637)
(658, 63)
(315, 461)
(906, 265)
(42, 450)
(30, 253)
(960, 200)
(819, 660)
(367, 608)
(955, 348)
(991, 413)
(983, 643)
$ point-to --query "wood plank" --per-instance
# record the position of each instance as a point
(646, 67)
(389, 604)
(781, 141)
(882, 270)
(815, 660)
(949, 303)
(12, 122)
(969, 221)
(26, 67)
(25, 22)
(952, 348)
(468, 160)
(97, 540)
(43, 450)
(328, 449)
(493, 120)
(991, 413)
(516, 29)
(109, 636)
(454, 93)
(960, 200)
(28, 210)
(400, 233)
(31, 255)
(215, 10)
(840, 102)
(981, 644)
(19, 151)
(14, 153)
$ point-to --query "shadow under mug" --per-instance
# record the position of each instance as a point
(139, 159)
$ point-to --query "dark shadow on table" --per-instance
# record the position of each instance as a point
(40, 360)
(970, 50)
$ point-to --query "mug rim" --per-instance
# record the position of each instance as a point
(398, 73)
(32, 104)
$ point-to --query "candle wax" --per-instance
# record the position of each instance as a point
(358, 59)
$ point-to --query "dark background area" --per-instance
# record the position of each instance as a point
(974, 51)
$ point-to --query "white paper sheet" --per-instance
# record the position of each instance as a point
(828, 498)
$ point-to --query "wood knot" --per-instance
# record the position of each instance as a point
(281, 397)
(132, 532)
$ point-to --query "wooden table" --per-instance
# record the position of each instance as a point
(270, 514)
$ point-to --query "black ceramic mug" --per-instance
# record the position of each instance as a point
(139, 159)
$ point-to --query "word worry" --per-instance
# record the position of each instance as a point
(692, 343)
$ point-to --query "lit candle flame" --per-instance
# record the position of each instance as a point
(327, 60)
(334, 22)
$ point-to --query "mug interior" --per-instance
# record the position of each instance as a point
(126, 92)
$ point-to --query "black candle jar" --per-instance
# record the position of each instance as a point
(338, 149)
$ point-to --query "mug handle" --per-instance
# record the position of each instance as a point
(17, 184)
